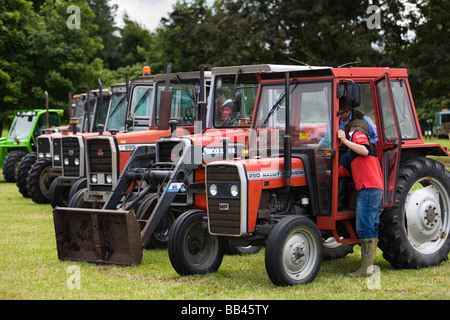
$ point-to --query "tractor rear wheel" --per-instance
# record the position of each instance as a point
(293, 251)
(192, 250)
(23, 171)
(11, 164)
(415, 232)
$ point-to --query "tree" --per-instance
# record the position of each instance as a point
(186, 39)
(133, 38)
(107, 31)
(17, 26)
(429, 53)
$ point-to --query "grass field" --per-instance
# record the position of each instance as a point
(30, 269)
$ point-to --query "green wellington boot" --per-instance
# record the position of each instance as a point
(368, 250)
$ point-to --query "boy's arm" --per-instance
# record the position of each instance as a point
(358, 148)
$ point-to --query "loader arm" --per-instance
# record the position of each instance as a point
(113, 235)
(184, 167)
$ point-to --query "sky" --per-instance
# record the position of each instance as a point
(147, 13)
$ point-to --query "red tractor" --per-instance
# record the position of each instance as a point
(284, 194)
(159, 181)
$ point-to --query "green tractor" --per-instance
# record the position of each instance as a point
(21, 140)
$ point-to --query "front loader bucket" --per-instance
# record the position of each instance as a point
(98, 236)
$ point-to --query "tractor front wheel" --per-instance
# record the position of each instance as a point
(293, 251)
(39, 180)
(78, 201)
(192, 250)
(77, 186)
(160, 236)
(22, 173)
(58, 194)
(415, 232)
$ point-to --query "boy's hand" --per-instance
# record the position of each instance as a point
(341, 135)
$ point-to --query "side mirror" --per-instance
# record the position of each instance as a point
(237, 101)
(353, 95)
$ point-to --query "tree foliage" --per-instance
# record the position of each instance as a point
(39, 52)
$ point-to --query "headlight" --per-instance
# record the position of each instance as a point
(108, 178)
(213, 189)
(56, 157)
(234, 190)
(41, 155)
(66, 161)
(94, 178)
(48, 155)
(77, 162)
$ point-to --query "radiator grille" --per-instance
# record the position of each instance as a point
(99, 156)
(224, 211)
(71, 154)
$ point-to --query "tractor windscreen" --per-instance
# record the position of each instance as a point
(78, 108)
(117, 112)
(234, 99)
(141, 102)
(185, 94)
(22, 126)
(310, 114)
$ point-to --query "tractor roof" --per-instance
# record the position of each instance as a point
(263, 68)
(182, 75)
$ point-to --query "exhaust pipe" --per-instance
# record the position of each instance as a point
(46, 107)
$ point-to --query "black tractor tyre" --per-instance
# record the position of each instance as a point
(160, 236)
(77, 201)
(23, 171)
(192, 250)
(414, 233)
(293, 251)
(77, 186)
(59, 195)
(39, 181)
(11, 163)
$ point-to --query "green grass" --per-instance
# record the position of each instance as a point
(30, 269)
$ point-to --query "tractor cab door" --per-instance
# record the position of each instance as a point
(390, 139)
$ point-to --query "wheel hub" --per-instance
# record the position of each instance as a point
(297, 253)
(423, 214)
(193, 245)
(431, 215)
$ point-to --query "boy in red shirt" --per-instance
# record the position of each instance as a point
(368, 178)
